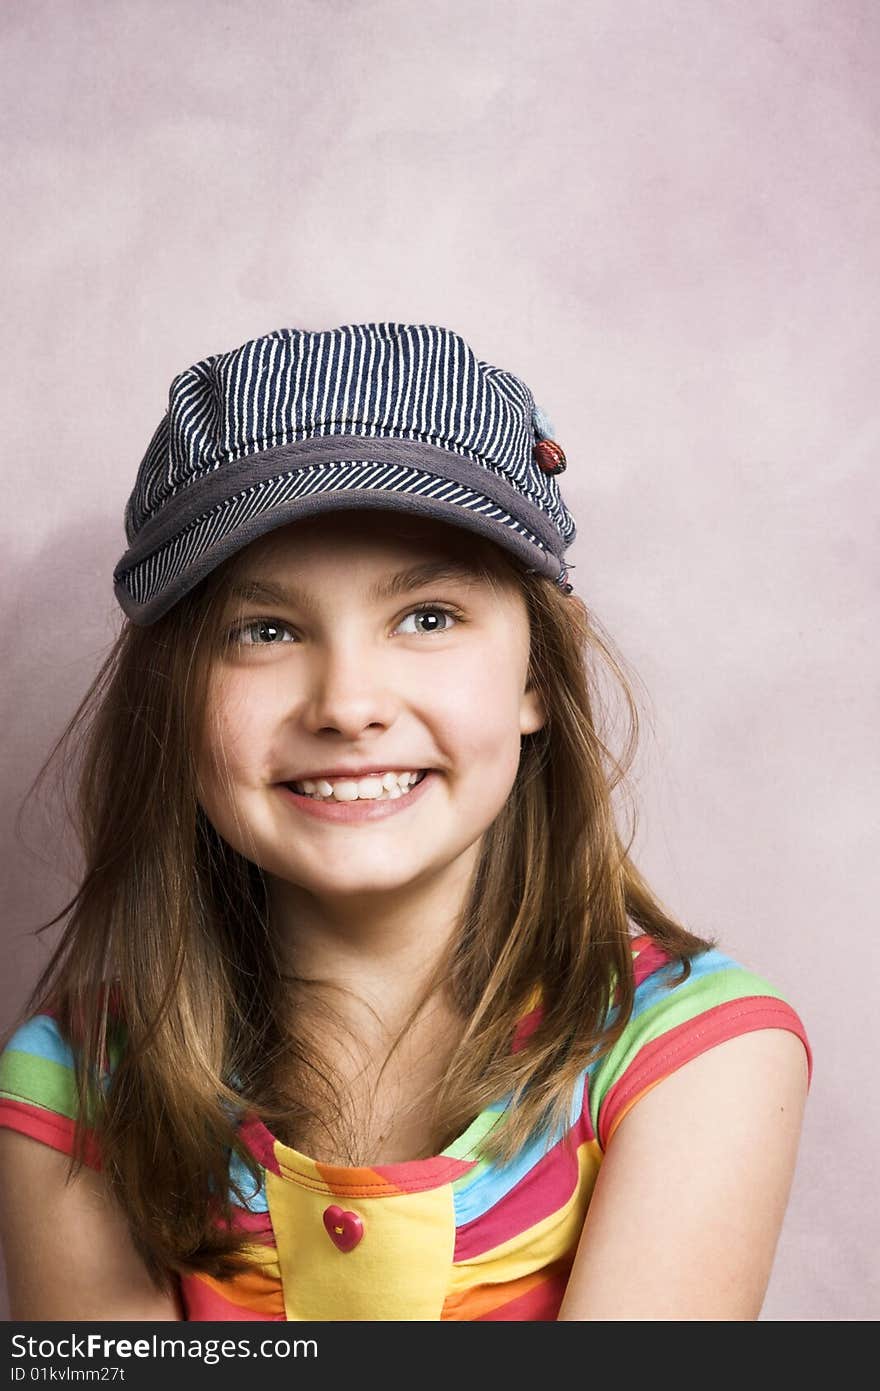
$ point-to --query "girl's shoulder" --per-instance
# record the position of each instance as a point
(677, 1016)
(38, 1086)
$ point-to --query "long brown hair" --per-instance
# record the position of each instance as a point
(167, 970)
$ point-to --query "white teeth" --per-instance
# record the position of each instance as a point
(372, 787)
(367, 788)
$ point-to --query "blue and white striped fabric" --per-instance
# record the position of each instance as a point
(386, 415)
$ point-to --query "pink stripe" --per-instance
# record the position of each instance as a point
(258, 1224)
(383, 1180)
(650, 959)
(419, 1174)
(525, 1027)
(386, 1180)
(203, 1304)
(677, 1046)
(546, 1188)
(47, 1127)
(260, 1142)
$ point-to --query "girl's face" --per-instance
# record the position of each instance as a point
(346, 673)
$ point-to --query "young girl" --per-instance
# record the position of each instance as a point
(363, 1010)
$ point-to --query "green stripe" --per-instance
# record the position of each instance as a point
(26, 1077)
(682, 1003)
(460, 1148)
(486, 1121)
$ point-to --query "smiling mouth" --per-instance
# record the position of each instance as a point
(346, 790)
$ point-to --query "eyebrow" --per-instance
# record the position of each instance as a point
(414, 577)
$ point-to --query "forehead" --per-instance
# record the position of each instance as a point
(368, 535)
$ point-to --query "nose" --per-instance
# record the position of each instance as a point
(348, 690)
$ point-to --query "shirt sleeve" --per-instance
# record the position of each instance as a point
(673, 1022)
(38, 1094)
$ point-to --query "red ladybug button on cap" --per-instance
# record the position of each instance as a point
(550, 456)
(344, 1228)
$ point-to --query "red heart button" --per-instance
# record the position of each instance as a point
(344, 1228)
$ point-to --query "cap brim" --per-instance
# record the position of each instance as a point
(175, 551)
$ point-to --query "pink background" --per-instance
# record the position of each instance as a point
(664, 216)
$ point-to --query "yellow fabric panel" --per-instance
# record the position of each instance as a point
(398, 1270)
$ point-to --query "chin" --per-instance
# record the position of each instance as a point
(359, 876)
(355, 885)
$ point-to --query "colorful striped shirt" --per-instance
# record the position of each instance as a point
(450, 1237)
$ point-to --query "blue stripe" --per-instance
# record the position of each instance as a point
(40, 1037)
(477, 1192)
(659, 982)
(255, 1199)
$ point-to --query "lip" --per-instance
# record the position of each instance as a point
(350, 813)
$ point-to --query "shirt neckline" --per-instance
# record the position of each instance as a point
(384, 1180)
(377, 1180)
(406, 1176)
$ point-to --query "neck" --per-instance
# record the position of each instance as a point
(382, 947)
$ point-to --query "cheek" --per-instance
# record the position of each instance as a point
(229, 747)
(478, 712)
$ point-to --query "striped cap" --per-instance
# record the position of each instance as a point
(295, 423)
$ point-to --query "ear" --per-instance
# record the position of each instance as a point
(532, 714)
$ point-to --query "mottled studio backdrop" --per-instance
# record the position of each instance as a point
(664, 216)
